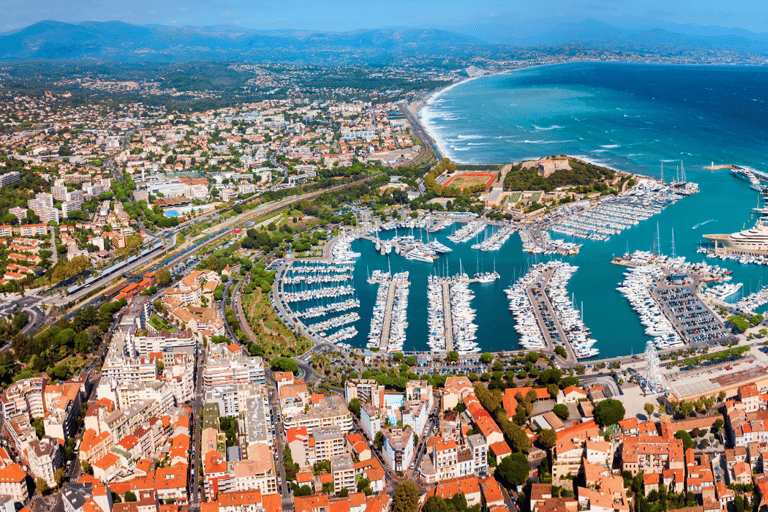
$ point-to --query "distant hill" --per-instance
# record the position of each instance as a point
(122, 42)
(118, 41)
(597, 34)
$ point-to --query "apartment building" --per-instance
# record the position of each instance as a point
(324, 411)
(24, 397)
(398, 448)
(44, 457)
(229, 364)
(13, 483)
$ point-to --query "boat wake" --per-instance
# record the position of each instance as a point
(702, 223)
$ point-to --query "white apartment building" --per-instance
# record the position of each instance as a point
(44, 457)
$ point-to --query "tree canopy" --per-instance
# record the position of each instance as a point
(514, 469)
(406, 497)
(609, 412)
(285, 364)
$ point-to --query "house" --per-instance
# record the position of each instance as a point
(571, 395)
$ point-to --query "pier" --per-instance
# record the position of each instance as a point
(387, 318)
(448, 317)
(689, 316)
(541, 303)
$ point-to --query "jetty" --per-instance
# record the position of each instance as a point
(541, 306)
(448, 318)
(387, 319)
(545, 315)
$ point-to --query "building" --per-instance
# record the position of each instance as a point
(398, 448)
(9, 177)
(324, 411)
(13, 483)
(229, 364)
(44, 457)
(343, 471)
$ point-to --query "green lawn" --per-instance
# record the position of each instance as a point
(160, 324)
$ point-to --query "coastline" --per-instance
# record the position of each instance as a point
(415, 107)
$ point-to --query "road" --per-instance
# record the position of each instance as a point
(423, 137)
(279, 444)
(195, 489)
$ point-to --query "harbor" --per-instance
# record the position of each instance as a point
(670, 308)
(612, 215)
(451, 316)
(314, 282)
(594, 283)
(389, 318)
(545, 316)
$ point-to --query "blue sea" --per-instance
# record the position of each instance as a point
(628, 117)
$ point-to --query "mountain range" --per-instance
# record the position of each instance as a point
(122, 42)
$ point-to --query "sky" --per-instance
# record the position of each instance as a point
(345, 15)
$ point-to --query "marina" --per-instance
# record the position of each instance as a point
(753, 301)
(536, 241)
(665, 298)
(451, 316)
(545, 316)
(389, 319)
(612, 215)
(307, 283)
(468, 231)
(424, 322)
(498, 238)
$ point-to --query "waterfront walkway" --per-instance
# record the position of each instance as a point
(447, 316)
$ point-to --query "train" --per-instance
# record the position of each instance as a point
(115, 268)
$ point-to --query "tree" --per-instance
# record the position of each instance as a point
(514, 469)
(344, 492)
(435, 504)
(561, 410)
(685, 437)
(547, 438)
(486, 357)
(398, 356)
(354, 406)
(738, 504)
(649, 408)
(453, 356)
(609, 412)
(285, 364)
(533, 356)
(59, 476)
(163, 276)
(41, 485)
(129, 497)
(406, 497)
(410, 361)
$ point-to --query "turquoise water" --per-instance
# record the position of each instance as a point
(629, 117)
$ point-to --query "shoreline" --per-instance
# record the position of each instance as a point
(415, 108)
(423, 101)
